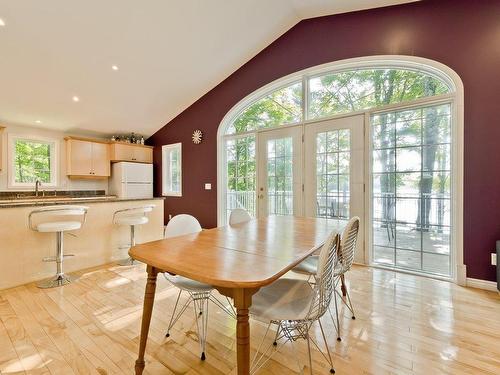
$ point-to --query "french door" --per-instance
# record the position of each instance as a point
(315, 170)
(334, 171)
(280, 172)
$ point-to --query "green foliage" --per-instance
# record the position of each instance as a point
(241, 164)
(281, 107)
(337, 93)
(32, 161)
(427, 129)
(362, 89)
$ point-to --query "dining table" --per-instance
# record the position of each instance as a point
(237, 260)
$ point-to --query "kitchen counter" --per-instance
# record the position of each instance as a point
(54, 200)
(98, 242)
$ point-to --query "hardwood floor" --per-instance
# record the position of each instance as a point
(405, 325)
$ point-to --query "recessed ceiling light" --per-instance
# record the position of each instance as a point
(2, 22)
(38, 121)
(114, 67)
(76, 99)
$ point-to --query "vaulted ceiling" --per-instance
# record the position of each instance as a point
(132, 65)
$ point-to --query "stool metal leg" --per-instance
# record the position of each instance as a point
(60, 279)
(129, 261)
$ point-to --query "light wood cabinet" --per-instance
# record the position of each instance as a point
(131, 152)
(100, 159)
(87, 158)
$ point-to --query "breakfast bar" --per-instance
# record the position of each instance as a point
(98, 242)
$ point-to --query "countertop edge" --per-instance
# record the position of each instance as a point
(74, 201)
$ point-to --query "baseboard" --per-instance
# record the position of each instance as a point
(482, 284)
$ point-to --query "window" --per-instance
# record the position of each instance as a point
(32, 159)
(357, 90)
(283, 106)
(411, 195)
(240, 177)
(172, 169)
(333, 173)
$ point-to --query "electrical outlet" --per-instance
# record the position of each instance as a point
(493, 259)
(208, 186)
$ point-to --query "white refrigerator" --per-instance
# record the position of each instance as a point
(131, 180)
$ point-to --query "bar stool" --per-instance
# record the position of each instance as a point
(132, 217)
(57, 219)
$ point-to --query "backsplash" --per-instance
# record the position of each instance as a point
(52, 193)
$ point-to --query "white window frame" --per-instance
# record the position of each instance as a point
(166, 169)
(54, 160)
(427, 66)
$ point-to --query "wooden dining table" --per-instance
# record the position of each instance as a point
(237, 260)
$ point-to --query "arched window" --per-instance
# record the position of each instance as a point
(283, 150)
(283, 106)
(358, 90)
(336, 93)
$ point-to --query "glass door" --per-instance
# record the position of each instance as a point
(334, 171)
(411, 194)
(280, 172)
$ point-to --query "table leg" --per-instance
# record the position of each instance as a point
(149, 299)
(242, 302)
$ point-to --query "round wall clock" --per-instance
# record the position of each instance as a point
(197, 136)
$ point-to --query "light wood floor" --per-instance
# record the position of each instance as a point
(405, 325)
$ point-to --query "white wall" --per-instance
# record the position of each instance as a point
(64, 183)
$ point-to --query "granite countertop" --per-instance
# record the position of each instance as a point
(22, 200)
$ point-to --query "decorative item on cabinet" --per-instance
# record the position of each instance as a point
(132, 138)
(87, 158)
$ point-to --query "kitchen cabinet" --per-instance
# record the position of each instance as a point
(87, 158)
(131, 152)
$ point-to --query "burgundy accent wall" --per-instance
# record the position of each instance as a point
(463, 34)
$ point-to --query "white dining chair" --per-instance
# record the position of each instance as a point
(238, 216)
(347, 249)
(57, 219)
(132, 217)
(293, 306)
(199, 293)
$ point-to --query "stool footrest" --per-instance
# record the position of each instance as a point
(54, 259)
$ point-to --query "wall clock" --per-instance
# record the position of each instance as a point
(197, 136)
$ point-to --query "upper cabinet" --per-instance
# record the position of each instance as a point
(87, 158)
(131, 152)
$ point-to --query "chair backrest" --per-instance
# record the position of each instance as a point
(323, 289)
(348, 245)
(133, 211)
(182, 224)
(239, 215)
(51, 213)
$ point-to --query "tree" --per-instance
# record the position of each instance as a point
(32, 161)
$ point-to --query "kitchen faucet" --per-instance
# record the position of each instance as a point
(38, 183)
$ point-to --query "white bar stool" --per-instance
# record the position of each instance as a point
(132, 217)
(55, 219)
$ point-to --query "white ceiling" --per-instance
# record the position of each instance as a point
(169, 53)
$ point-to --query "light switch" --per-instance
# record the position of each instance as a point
(208, 186)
